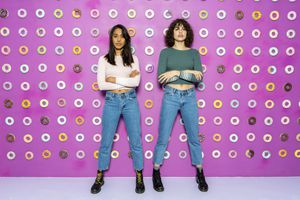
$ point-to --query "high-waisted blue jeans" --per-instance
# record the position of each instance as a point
(173, 101)
(115, 105)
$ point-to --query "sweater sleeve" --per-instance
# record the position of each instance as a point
(103, 85)
(197, 67)
(131, 81)
(162, 66)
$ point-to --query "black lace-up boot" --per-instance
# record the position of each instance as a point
(96, 188)
(156, 179)
(200, 178)
(140, 187)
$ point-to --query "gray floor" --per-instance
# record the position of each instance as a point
(237, 188)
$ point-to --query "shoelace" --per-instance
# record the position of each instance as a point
(139, 177)
(98, 178)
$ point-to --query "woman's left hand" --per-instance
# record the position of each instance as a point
(165, 77)
(111, 79)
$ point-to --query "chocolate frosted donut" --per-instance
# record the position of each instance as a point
(288, 87)
(221, 69)
(284, 137)
(239, 15)
(63, 154)
(252, 120)
(77, 68)
(10, 138)
(45, 120)
(8, 103)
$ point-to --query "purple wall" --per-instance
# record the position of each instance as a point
(174, 166)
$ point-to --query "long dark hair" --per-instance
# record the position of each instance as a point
(126, 52)
(169, 38)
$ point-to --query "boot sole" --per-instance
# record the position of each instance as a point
(96, 192)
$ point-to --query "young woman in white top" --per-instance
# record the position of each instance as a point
(118, 74)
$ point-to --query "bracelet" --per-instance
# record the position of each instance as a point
(256, 15)
(76, 13)
(148, 103)
(58, 13)
(97, 121)
(46, 154)
(203, 14)
(79, 120)
(282, 153)
(217, 137)
(27, 138)
(29, 155)
(63, 137)
(95, 13)
(45, 137)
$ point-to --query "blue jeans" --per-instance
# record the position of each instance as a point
(115, 105)
(173, 101)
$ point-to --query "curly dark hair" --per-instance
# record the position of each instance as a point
(169, 38)
(126, 52)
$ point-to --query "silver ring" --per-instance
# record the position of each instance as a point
(149, 32)
(113, 13)
(94, 68)
(45, 137)
(40, 13)
(95, 32)
(43, 85)
(78, 86)
(6, 68)
(268, 121)
(7, 85)
(97, 121)
(23, 32)
(221, 14)
(11, 155)
(40, 32)
(96, 103)
(256, 51)
(94, 50)
(42, 67)
(22, 13)
(149, 121)
(256, 33)
(25, 86)
(27, 121)
(182, 154)
(252, 103)
(76, 32)
(80, 154)
(58, 31)
(61, 120)
(221, 33)
(149, 14)
(59, 50)
(24, 68)
(61, 85)
(78, 103)
(234, 121)
(148, 154)
(79, 137)
(95, 13)
(167, 14)
(9, 121)
(149, 50)
(216, 154)
(149, 86)
(97, 137)
(185, 14)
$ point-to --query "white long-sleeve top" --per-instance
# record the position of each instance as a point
(121, 72)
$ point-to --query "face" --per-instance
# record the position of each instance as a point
(118, 39)
(179, 33)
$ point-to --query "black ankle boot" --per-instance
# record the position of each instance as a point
(200, 178)
(156, 179)
(140, 187)
(96, 188)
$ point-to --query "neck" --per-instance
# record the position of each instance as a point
(118, 52)
(179, 45)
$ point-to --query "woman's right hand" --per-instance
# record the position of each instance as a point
(134, 73)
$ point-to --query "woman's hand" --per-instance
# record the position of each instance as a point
(134, 73)
(111, 79)
(165, 77)
(198, 75)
